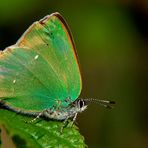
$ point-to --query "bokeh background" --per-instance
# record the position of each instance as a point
(111, 37)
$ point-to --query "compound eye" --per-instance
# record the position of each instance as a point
(81, 103)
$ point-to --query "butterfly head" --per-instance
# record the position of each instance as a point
(80, 105)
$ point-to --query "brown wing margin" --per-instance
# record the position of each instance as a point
(58, 15)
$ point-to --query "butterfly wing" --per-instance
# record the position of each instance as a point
(41, 70)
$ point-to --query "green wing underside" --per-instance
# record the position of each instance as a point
(41, 70)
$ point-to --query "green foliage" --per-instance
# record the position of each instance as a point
(40, 134)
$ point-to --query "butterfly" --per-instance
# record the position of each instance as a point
(40, 74)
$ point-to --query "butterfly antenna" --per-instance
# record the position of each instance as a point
(104, 103)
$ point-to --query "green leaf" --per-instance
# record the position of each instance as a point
(40, 134)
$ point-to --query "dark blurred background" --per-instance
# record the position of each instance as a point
(111, 37)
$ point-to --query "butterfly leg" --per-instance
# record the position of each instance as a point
(74, 119)
(37, 117)
(64, 124)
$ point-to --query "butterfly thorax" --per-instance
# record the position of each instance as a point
(61, 114)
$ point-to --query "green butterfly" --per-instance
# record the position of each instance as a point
(40, 74)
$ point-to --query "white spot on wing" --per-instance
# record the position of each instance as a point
(36, 57)
(14, 81)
